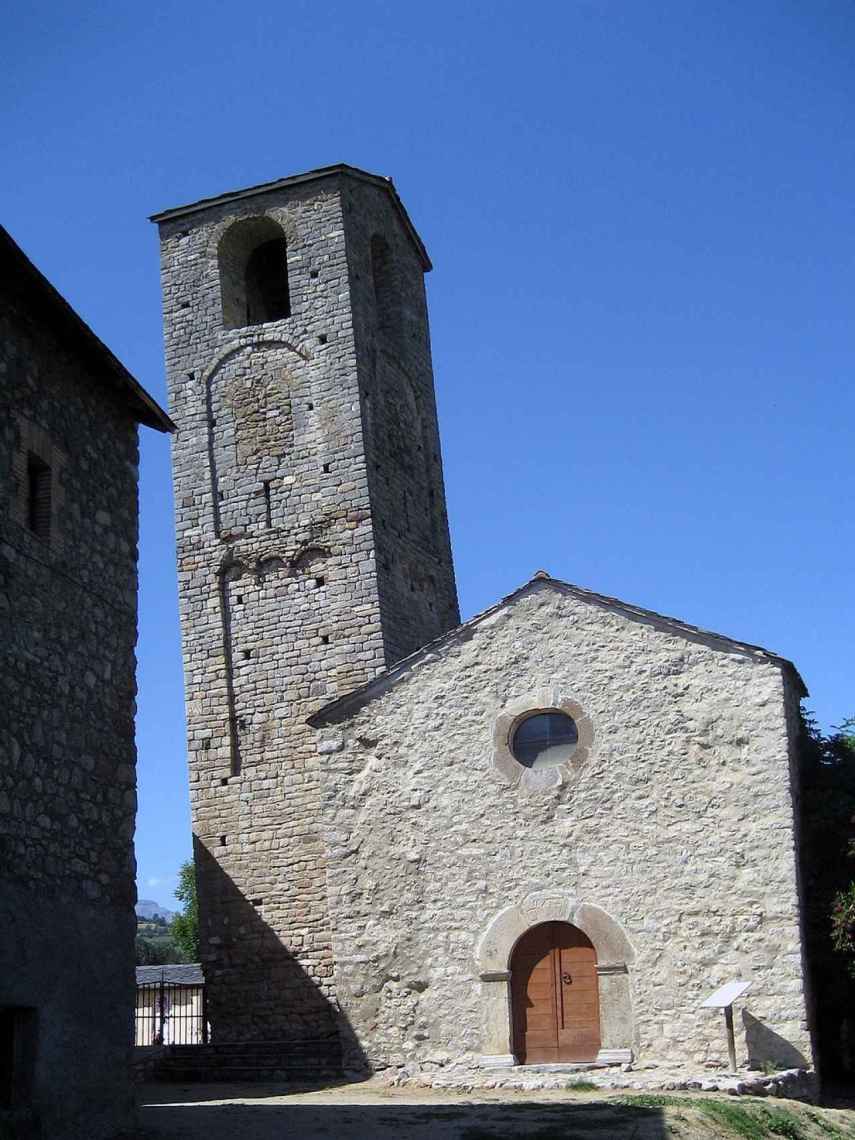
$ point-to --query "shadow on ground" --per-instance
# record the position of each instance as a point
(837, 1094)
(301, 1118)
(177, 1094)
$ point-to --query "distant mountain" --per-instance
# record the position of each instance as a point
(147, 908)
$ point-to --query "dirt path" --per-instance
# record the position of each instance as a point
(370, 1112)
(363, 1115)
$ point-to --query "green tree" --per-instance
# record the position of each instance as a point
(157, 951)
(827, 825)
(843, 924)
(184, 928)
(843, 909)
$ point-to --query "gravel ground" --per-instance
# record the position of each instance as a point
(370, 1112)
(358, 1113)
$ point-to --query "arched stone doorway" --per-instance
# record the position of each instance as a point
(495, 955)
(555, 999)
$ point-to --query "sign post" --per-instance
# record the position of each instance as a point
(723, 998)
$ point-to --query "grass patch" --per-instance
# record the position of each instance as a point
(654, 1100)
(730, 1119)
(752, 1124)
(581, 1086)
(781, 1122)
(757, 1122)
(825, 1126)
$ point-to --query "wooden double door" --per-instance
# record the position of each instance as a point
(555, 999)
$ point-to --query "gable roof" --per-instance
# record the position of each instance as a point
(343, 707)
(340, 168)
(176, 975)
(19, 274)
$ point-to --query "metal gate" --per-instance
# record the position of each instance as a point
(169, 1014)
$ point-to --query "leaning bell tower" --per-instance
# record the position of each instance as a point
(312, 544)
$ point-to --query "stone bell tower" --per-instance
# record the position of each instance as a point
(312, 543)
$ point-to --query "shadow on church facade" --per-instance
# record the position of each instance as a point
(270, 1001)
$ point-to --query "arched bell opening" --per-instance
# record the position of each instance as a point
(253, 264)
(555, 1001)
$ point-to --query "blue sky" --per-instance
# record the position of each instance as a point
(641, 219)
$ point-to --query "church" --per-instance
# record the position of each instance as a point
(542, 836)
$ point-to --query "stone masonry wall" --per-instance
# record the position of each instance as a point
(678, 824)
(67, 756)
(418, 597)
(280, 603)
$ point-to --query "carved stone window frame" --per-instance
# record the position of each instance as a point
(513, 714)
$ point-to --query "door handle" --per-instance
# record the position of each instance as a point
(566, 979)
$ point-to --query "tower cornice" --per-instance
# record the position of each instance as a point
(341, 169)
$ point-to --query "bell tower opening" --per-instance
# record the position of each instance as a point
(253, 262)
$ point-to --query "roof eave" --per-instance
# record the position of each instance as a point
(146, 410)
(337, 170)
(340, 709)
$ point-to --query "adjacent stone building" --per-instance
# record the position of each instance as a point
(68, 552)
(544, 835)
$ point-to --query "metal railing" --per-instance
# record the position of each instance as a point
(169, 1014)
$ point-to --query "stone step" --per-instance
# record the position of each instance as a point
(247, 1075)
(250, 1057)
(252, 1061)
(320, 1045)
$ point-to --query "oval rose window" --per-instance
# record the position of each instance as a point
(544, 739)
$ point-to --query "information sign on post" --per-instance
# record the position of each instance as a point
(723, 998)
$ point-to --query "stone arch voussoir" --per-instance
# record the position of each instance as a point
(496, 944)
(615, 956)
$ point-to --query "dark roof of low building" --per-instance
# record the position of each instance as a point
(340, 168)
(176, 975)
(343, 707)
(29, 284)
